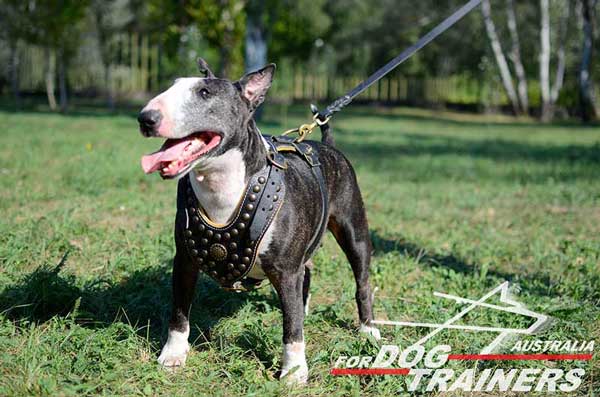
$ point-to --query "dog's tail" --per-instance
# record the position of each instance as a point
(326, 136)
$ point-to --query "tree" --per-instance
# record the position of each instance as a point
(515, 56)
(221, 23)
(57, 29)
(549, 91)
(109, 17)
(587, 100)
(505, 74)
(12, 18)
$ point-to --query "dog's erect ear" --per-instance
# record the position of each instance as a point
(204, 69)
(254, 86)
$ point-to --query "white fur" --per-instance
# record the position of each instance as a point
(219, 183)
(294, 361)
(374, 332)
(174, 353)
(172, 103)
(306, 306)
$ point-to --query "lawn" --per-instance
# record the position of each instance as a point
(456, 203)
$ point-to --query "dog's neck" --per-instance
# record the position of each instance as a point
(221, 182)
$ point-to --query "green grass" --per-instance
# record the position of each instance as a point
(456, 204)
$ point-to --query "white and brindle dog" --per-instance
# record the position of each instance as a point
(212, 141)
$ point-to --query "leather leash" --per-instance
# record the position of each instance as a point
(321, 118)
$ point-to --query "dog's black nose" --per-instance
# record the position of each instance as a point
(149, 120)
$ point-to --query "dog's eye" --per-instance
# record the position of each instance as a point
(204, 93)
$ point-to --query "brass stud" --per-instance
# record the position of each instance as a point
(199, 261)
(213, 273)
(275, 197)
(204, 241)
(242, 267)
(211, 264)
(204, 253)
(192, 209)
(249, 207)
(256, 188)
(241, 225)
(245, 216)
(209, 233)
(251, 242)
(218, 252)
(194, 252)
(230, 266)
(236, 273)
(223, 279)
(252, 197)
(188, 233)
(201, 227)
(248, 251)
(234, 232)
(191, 242)
(217, 236)
(226, 236)
(246, 260)
(233, 246)
(262, 179)
(195, 219)
(235, 257)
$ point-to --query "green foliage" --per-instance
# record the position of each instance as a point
(456, 203)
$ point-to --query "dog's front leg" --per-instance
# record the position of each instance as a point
(289, 288)
(185, 275)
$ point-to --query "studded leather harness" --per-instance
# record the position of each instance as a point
(228, 252)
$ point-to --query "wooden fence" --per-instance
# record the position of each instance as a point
(136, 72)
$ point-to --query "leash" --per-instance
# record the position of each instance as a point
(322, 118)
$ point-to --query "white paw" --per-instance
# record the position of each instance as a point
(297, 375)
(294, 369)
(367, 329)
(175, 351)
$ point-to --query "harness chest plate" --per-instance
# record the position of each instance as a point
(228, 252)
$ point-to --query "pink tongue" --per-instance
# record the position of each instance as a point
(168, 152)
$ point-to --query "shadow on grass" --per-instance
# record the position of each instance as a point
(404, 247)
(142, 300)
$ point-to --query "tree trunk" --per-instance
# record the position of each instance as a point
(14, 73)
(560, 62)
(62, 82)
(515, 56)
(586, 94)
(545, 59)
(256, 43)
(50, 75)
(499, 55)
(110, 97)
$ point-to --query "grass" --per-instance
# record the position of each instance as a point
(456, 204)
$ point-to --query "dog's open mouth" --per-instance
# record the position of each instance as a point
(176, 156)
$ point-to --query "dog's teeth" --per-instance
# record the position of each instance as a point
(165, 169)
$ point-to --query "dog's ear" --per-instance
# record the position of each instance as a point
(254, 86)
(204, 69)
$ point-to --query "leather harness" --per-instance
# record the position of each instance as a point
(228, 252)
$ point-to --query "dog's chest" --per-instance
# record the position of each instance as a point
(229, 252)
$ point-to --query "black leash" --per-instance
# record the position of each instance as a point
(321, 118)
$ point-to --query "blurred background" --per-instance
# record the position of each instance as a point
(531, 58)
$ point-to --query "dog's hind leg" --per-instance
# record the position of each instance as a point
(351, 231)
(185, 275)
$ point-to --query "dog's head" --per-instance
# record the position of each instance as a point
(201, 118)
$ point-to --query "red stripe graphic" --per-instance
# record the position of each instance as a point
(369, 371)
(519, 357)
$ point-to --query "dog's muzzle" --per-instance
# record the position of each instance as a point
(149, 121)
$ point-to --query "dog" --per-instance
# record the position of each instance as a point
(215, 149)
